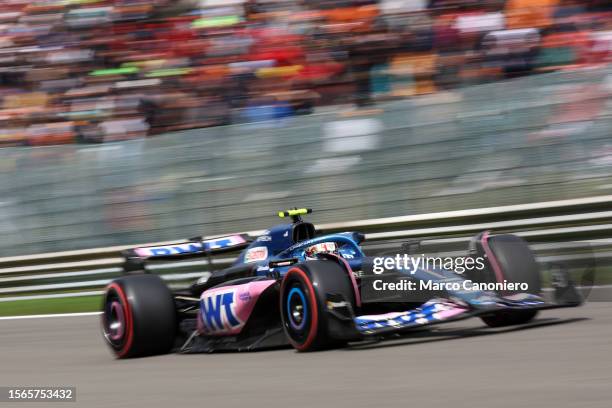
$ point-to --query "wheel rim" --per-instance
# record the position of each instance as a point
(114, 320)
(297, 311)
(117, 322)
(297, 308)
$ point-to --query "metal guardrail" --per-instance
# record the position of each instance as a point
(566, 222)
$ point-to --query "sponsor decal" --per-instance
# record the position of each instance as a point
(256, 254)
(224, 242)
(264, 238)
(190, 247)
(178, 249)
(218, 312)
(429, 312)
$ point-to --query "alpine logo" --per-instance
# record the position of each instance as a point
(218, 312)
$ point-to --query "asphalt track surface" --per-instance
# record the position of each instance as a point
(564, 359)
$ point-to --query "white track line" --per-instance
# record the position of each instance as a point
(50, 315)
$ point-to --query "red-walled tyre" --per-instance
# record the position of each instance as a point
(303, 298)
(139, 316)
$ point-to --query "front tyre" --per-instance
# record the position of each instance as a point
(139, 317)
(510, 259)
(303, 295)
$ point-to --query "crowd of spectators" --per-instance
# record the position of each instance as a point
(102, 70)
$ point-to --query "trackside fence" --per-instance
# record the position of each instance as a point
(572, 231)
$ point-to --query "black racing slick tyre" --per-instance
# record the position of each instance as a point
(139, 316)
(510, 259)
(304, 295)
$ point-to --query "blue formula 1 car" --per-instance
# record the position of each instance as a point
(293, 286)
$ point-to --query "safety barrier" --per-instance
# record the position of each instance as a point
(566, 230)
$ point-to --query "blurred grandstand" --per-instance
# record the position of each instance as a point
(530, 139)
(103, 70)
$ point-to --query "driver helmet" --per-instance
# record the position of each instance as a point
(321, 248)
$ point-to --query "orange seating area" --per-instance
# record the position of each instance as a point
(105, 70)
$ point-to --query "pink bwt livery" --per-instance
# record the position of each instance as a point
(225, 310)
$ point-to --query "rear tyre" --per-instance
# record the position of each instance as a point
(139, 316)
(509, 258)
(303, 295)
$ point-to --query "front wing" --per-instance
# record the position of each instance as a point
(437, 311)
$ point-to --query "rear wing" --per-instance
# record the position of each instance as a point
(136, 257)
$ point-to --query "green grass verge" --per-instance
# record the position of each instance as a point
(50, 306)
